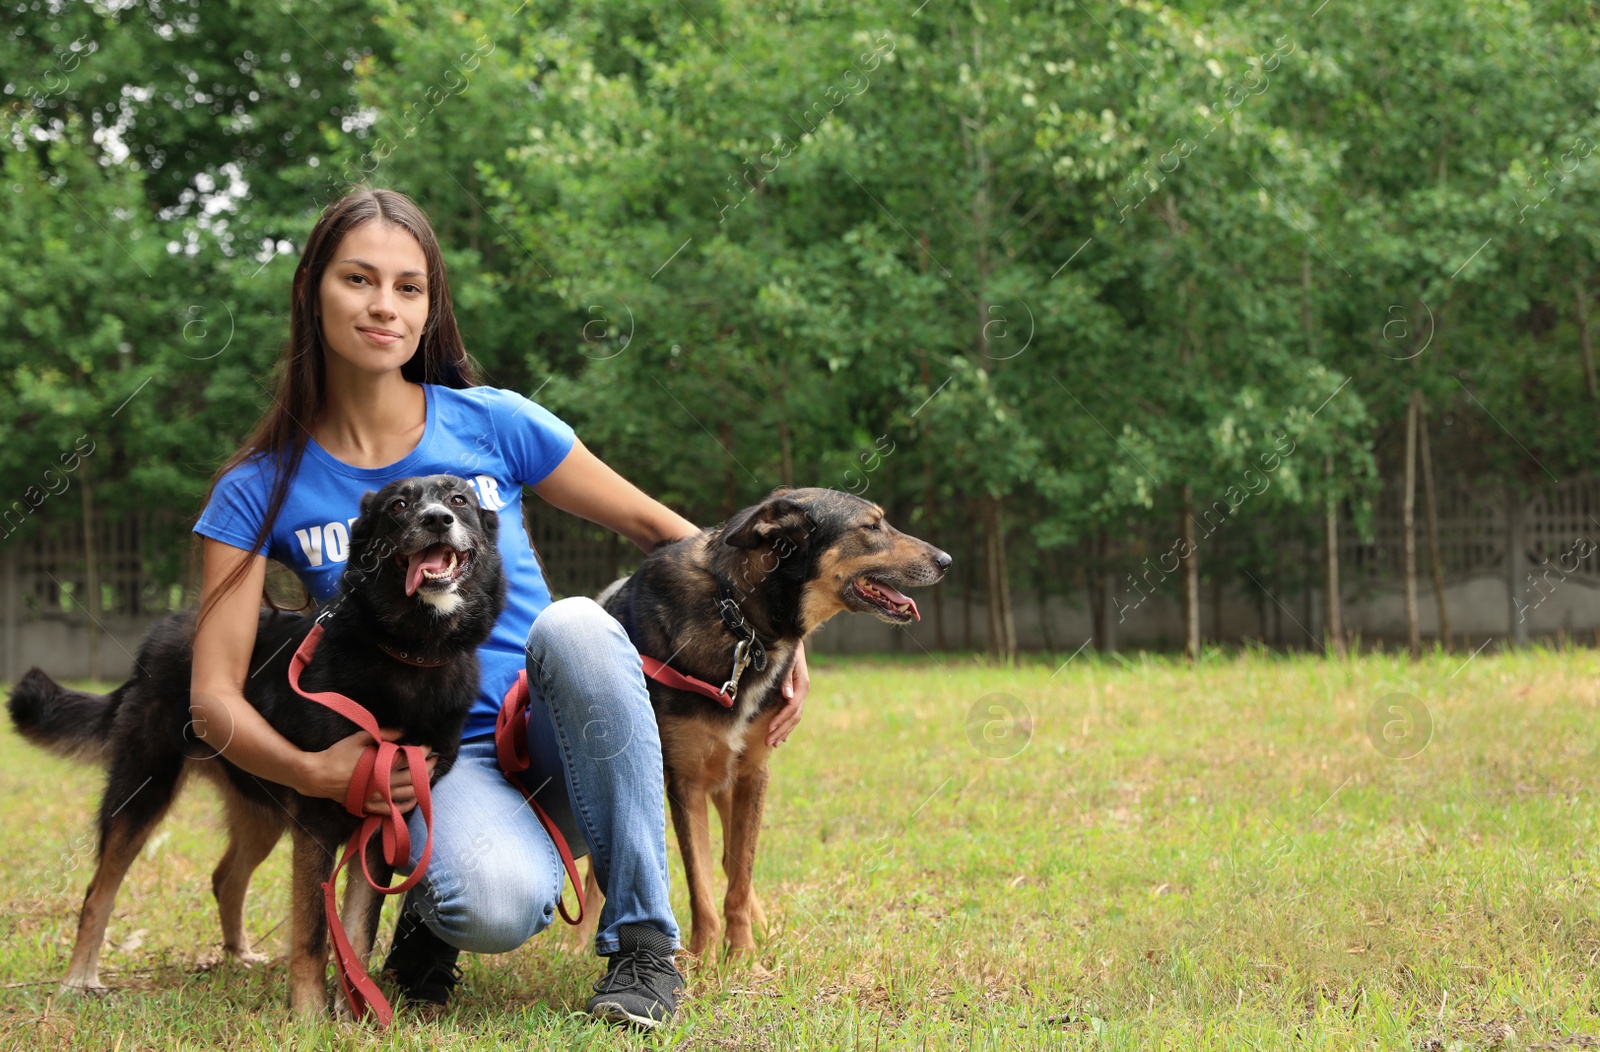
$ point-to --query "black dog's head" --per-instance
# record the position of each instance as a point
(840, 551)
(424, 548)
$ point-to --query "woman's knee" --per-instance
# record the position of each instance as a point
(577, 629)
(575, 617)
(496, 907)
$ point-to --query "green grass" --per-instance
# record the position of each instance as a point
(1217, 858)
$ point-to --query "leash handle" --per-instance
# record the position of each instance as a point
(397, 845)
(511, 750)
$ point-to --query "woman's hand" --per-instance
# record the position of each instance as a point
(796, 685)
(330, 771)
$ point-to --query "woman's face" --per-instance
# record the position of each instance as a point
(374, 298)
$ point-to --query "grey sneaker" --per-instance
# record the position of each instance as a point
(641, 986)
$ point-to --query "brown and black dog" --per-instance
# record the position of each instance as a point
(421, 593)
(729, 606)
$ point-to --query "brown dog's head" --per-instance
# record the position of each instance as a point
(839, 551)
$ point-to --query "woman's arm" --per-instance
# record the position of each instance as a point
(229, 724)
(584, 486)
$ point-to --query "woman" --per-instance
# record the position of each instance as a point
(376, 385)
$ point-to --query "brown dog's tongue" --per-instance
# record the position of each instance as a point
(898, 597)
(433, 560)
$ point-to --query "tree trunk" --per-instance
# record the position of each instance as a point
(1305, 301)
(1044, 614)
(614, 555)
(1002, 629)
(1408, 526)
(91, 573)
(1431, 505)
(939, 639)
(969, 581)
(1582, 298)
(473, 216)
(1516, 564)
(1333, 614)
(1306, 596)
(8, 599)
(730, 504)
(1098, 584)
(786, 453)
(1216, 608)
(928, 502)
(1191, 577)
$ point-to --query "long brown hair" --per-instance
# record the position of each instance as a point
(301, 372)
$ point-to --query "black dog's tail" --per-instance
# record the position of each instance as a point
(71, 723)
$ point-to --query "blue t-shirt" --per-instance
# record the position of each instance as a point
(498, 440)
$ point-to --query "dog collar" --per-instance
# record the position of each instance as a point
(749, 650)
(406, 657)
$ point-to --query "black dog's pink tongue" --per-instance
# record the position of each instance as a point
(433, 560)
(898, 598)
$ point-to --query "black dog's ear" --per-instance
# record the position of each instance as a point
(362, 555)
(774, 517)
(491, 524)
(360, 530)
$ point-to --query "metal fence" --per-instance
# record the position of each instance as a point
(1477, 525)
(142, 569)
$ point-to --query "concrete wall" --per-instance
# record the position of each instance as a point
(61, 648)
(1479, 609)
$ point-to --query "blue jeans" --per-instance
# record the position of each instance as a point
(495, 876)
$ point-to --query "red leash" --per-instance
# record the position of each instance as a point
(668, 676)
(511, 750)
(373, 773)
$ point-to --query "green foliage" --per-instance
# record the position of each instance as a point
(1076, 257)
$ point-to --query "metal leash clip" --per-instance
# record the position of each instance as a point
(741, 658)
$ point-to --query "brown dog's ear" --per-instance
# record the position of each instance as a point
(773, 517)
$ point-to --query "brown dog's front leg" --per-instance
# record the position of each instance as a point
(580, 936)
(723, 798)
(693, 823)
(741, 828)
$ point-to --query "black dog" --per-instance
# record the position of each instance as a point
(731, 605)
(422, 591)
